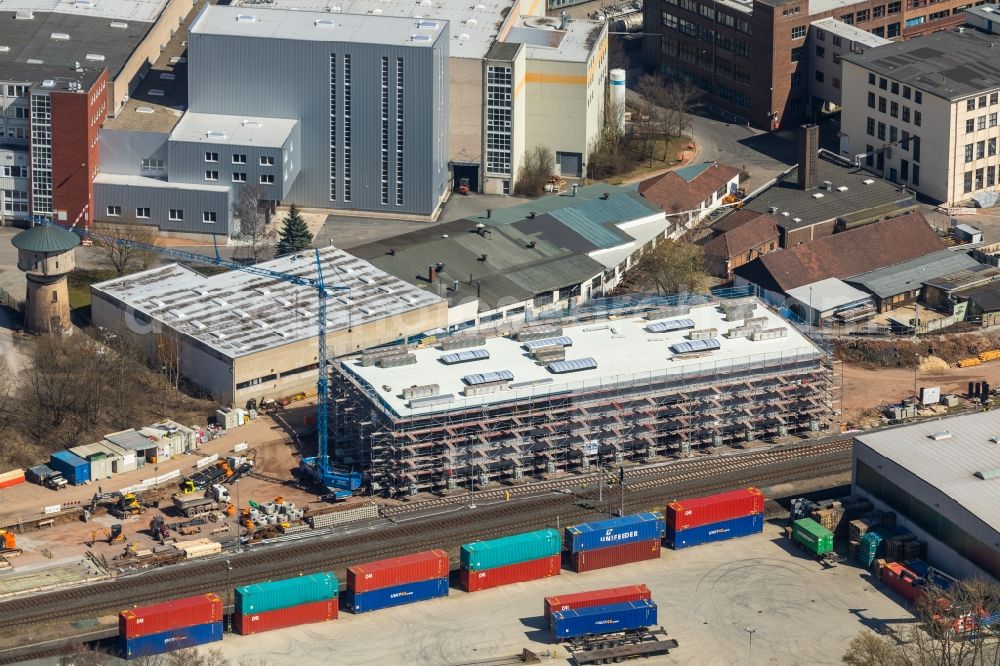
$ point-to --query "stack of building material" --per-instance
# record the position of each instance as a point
(512, 559)
(612, 595)
(812, 536)
(857, 528)
(886, 518)
(172, 625)
(870, 546)
(895, 546)
(829, 517)
(594, 620)
(714, 518)
(397, 581)
(199, 547)
(286, 603)
(609, 543)
(11, 478)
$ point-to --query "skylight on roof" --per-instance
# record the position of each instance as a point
(420, 38)
(156, 92)
(323, 23)
(144, 109)
(118, 25)
(59, 37)
(246, 18)
(95, 57)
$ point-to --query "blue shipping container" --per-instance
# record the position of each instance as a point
(607, 619)
(615, 532)
(727, 529)
(74, 469)
(175, 639)
(398, 595)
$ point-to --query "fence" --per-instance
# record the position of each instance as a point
(7, 300)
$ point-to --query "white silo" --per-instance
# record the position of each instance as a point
(616, 103)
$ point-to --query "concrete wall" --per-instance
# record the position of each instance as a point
(465, 110)
(122, 152)
(213, 87)
(126, 79)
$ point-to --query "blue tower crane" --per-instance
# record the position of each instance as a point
(339, 483)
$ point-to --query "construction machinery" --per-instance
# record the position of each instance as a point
(317, 467)
(190, 507)
(158, 529)
(119, 505)
(8, 544)
(463, 186)
(218, 472)
(115, 535)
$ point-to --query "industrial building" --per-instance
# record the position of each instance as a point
(64, 67)
(924, 112)
(942, 478)
(508, 264)
(561, 395)
(240, 336)
(515, 79)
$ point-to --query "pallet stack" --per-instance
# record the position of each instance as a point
(397, 581)
(513, 559)
(286, 603)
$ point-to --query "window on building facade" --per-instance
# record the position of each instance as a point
(892, 30)
(894, 88)
(893, 134)
(906, 92)
(915, 179)
(918, 97)
(267, 179)
(208, 217)
(878, 12)
(15, 171)
(150, 164)
(981, 123)
(904, 141)
(175, 215)
(114, 211)
(916, 148)
(871, 100)
(991, 147)
(239, 177)
(819, 77)
(881, 104)
(796, 80)
(881, 131)
(917, 117)
(993, 120)
(970, 104)
(836, 83)
(980, 150)
(970, 125)
(848, 19)
(267, 160)
(142, 213)
(211, 157)
(906, 114)
(982, 101)
(239, 158)
(968, 152)
(967, 182)
(211, 174)
(862, 16)
(798, 32)
(820, 51)
(883, 84)
(17, 91)
(820, 35)
(870, 127)
(871, 79)
(991, 176)
(894, 109)
(869, 155)
(979, 178)
(797, 53)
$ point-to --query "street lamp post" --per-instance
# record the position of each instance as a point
(229, 588)
(751, 631)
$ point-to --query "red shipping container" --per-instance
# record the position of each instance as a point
(611, 595)
(174, 614)
(317, 611)
(638, 551)
(11, 482)
(902, 580)
(411, 568)
(11, 478)
(713, 508)
(474, 581)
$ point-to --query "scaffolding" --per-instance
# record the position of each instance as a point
(541, 432)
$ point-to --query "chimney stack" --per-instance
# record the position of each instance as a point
(808, 157)
(430, 274)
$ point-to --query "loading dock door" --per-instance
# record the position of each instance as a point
(468, 170)
(570, 164)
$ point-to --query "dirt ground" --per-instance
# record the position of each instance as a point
(864, 389)
(276, 457)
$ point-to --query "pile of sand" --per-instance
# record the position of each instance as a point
(933, 364)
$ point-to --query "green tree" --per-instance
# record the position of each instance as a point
(294, 235)
(675, 267)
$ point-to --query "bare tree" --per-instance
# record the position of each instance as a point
(167, 360)
(538, 166)
(255, 232)
(675, 267)
(121, 256)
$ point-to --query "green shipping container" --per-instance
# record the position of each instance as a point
(278, 594)
(817, 539)
(482, 555)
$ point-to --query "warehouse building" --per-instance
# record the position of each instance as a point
(942, 478)
(903, 283)
(560, 395)
(241, 336)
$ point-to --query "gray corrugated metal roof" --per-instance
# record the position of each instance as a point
(130, 440)
(949, 464)
(909, 275)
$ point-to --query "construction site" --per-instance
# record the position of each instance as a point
(566, 395)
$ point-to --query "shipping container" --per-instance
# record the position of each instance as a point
(726, 529)
(812, 536)
(614, 532)
(902, 581)
(11, 478)
(611, 595)
(255, 623)
(608, 619)
(146, 620)
(512, 549)
(169, 641)
(74, 469)
(398, 571)
(602, 558)
(397, 595)
(474, 581)
(688, 513)
(277, 594)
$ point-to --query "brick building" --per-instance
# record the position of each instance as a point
(712, 43)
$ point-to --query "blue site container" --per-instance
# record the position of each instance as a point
(726, 529)
(615, 532)
(74, 469)
(168, 641)
(607, 619)
(397, 595)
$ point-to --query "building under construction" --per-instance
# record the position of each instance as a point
(563, 395)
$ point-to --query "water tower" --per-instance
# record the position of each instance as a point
(45, 254)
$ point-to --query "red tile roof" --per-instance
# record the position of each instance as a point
(674, 194)
(742, 239)
(735, 219)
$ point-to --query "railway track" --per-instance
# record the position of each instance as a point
(647, 488)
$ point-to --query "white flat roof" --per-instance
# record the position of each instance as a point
(545, 41)
(321, 26)
(124, 10)
(238, 313)
(949, 464)
(850, 32)
(233, 130)
(827, 294)
(474, 24)
(623, 350)
(142, 181)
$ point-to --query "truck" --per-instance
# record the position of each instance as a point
(44, 475)
(189, 507)
(813, 537)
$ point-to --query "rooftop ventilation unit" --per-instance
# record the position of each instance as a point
(432, 400)
(83, 4)
(796, 219)
(817, 195)
(177, 60)
(156, 92)
(842, 188)
(396, 361)
(785, 213)
(375, 11)
(262, 323)
(462, 342)
(24, 15)
(118, 25)
(47, 83)
(988, 474)
(827, 185)
(166, 76)
(464, 356)
(215, 134)
(304, 312)
(39, 61)
(323, 23)
(98, 57)
(283, 301)
(246, 18)
(573, 365)
(420, 38)
(4, 49)
(335, 10)
(219, 334)
(422, 391)
(938, 436)
(252, 123)
(199, 325)
(242, 314)
(772, 210)
(471, 21)
(59, 37)
(868, 181)
(427, 25)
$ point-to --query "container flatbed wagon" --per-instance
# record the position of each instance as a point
(617, 648)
